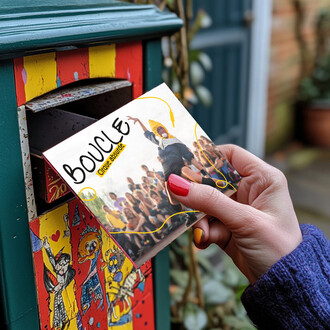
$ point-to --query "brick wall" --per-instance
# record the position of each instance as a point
(285, 67)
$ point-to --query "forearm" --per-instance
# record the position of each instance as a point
(116, 215)
(142, 126)
(209, 169)
(140, 225)
(295, 292)
(50, 256)
(196, 164)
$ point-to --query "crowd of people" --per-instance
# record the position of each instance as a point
(146, 206)
(215, 163)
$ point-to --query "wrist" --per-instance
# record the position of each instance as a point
(290, 292)
(203, 172)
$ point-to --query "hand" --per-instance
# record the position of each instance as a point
(58, 288)
(134, 119)
(45, 243)
(257, 227)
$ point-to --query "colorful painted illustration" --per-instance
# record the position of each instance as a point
(84, 281)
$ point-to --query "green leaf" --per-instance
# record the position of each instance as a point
(236, 323)
(177, 295)
(196, 73)
(206, 20)
(178, 249)
(206, 61)
(205, 263)
(194, 318)
(170, 3)
(183, 239)
(180, 277)
(231, 277)
(230, 268)
(194, 55)
(240, 290)
(217, 275)
(175, 85)
(204, 95)
(240, 311)
(210, 252)
(216, 293)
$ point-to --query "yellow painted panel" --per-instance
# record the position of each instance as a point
(40, 74)
(102, 61)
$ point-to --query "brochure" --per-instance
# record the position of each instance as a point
(119, 166)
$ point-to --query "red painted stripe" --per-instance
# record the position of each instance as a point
(143, 302)
(129, 65)
(72, 65)
(20, 76)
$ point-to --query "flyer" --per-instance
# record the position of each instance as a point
(119, 166)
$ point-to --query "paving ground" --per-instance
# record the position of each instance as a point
(308, 174)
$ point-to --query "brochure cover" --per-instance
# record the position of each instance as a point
(119, 166)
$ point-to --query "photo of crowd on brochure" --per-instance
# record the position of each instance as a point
(142, 217)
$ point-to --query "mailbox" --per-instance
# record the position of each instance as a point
(62, 68)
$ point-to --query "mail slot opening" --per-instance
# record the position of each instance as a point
(60, 114)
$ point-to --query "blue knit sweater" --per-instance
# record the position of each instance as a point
(295, 292)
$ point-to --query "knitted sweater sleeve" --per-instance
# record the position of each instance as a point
(295, 292)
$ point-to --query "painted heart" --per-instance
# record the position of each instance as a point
(56, 236)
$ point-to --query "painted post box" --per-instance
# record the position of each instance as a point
(58, 63)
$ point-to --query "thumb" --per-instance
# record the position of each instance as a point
(211, 201)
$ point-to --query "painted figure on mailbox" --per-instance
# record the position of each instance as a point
(89, 249)
(60, 285)
(121, 280)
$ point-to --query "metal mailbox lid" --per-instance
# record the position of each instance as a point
(53, 126)
(32, 28)
(69, 94)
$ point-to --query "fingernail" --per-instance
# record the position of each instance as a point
(198, 235)
(178, 185)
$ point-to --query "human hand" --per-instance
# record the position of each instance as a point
(58, 288)
(134, 119)
(256, 227)
(45, 242)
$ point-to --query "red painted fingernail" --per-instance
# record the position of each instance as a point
(178, 185)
